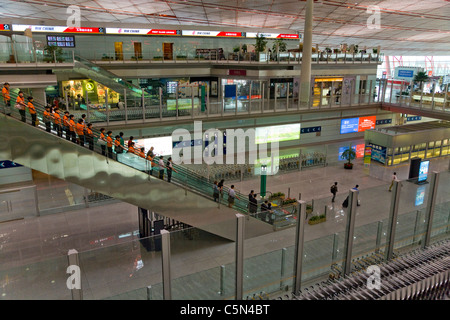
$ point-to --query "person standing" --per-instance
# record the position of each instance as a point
(57, 122)
(118, 149)
(72, 127)
(80, 131)
(334, 190)
(130, 141)
(220, 186)
(231, 196)
(252, 202)
(66, 125)
(6, 98)
(90, 136)
(103, 137)
(215, 192)
(47, 117)
(20, 104)
(394, 178)
(122, 141)
(131, 148)
(109, 144)
(161, 167)
(169, 169)
(32, 111)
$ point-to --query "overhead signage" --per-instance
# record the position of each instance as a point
(200, 33)
(5, 27)
(131, 31)
(61, 41)
(311, 129)
(58, 29)
(237, 72)
(361, 124)
(415, 118)
(5, 164)
(273, 35)
(383, 121)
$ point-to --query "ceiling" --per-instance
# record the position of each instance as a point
(407, 27)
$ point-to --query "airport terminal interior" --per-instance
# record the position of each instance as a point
(225, 150)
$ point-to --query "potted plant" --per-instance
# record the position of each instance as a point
(348, 155)
(421, 77)
(260, 45)
(52, 53)
(317, 219)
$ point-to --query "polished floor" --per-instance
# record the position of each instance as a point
(33, 251)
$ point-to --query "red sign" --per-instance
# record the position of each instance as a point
(229, 34)
(237, 72)
(366, 123)
(160, 31)
(82, 30)
(5, 27)
(288, 36)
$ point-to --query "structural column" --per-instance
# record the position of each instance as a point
(305, 76)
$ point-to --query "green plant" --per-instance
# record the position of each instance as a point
(281, 44)
(261, 43)
(277, 195)
(53, 52)
(421, 77)
(375, 50)
(349, 155)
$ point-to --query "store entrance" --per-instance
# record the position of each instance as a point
(118, 50)
(168, 51)
(138, 50)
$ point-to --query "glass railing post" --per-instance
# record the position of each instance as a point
(165, 258)
(299, 242)
(335, 249)
(349, 230)
(107, 106)
(74, 281)
(416, 225)
(126, 104)
(143, 104)
(379, 236)
(429, 213)
(392, 222)
(240, 228)
(283, 266)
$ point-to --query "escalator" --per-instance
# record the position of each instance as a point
(188, 198)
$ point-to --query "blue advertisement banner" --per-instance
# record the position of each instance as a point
(378, 153)
(349, 125)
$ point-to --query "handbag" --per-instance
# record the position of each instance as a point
(101, 142)
(19, 106)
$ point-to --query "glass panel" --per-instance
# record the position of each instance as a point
(17, 203)
(199, 270)
(44, 280)
(122, 271)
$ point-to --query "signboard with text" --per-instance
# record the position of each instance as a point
(361, 124)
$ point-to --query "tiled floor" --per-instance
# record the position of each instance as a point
(33, 251)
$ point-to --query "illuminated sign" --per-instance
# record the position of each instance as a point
(378, 153)
(57, 29)
(61, 41)
(273, 35)
(361, 124)
(285, 132)
(423, 171)
(131, 31)
(199, 33)
(162, 145)
(420, 196)
(5, 27)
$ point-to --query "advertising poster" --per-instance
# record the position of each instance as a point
(423, 171)
(367, 155)
(420, 196)
(285, 132)
(378, 153)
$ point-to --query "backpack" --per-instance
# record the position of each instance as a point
(333, 188)
(345, 203)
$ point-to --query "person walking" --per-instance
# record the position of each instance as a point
(20, 104)
(47, 117)
(32, 111)
(394, 178)
(169, 169)
(80, 131)
(334, 190)
(6, 99)
(231, 196)
(109, 144)
(90, 136)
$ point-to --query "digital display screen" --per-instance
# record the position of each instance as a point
(161, 145)
(61, 41)
(361, 124)
(285, 132)
(423, 170)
